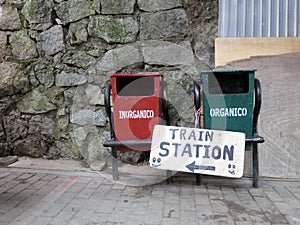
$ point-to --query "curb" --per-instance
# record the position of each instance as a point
(5, 161)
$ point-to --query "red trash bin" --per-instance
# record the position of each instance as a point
(136, 106)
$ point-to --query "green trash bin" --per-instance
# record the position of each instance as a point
(232, 102)
(228, 100)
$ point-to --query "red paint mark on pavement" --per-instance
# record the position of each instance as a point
(38, 208)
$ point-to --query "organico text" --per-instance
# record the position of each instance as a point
(228, 112)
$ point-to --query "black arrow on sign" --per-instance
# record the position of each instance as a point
(192, 167)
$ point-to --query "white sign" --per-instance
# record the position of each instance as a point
(200, 151)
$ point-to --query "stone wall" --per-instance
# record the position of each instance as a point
(56, 56)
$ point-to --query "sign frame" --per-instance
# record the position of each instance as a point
(202, 151)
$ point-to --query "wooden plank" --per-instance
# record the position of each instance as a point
(279, 120)
(233, 49)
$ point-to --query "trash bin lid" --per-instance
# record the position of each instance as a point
(228, 71)
(135, 74)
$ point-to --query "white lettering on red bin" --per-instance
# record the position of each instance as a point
(136, 114)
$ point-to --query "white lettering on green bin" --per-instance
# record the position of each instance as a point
(228, 112)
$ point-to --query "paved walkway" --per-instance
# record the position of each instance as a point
(49, 196)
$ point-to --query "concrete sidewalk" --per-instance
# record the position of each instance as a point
(65, 192)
